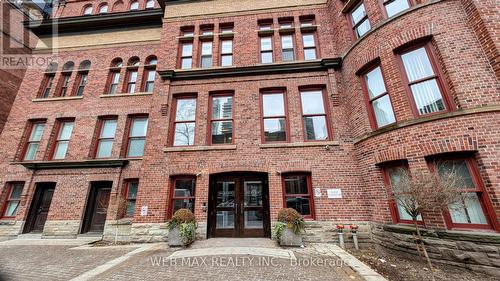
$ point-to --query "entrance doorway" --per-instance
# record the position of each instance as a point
(97, 207)
(239, 205)
(39, 209)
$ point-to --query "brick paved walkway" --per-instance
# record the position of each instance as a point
(153, 262)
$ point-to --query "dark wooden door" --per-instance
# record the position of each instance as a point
(97, 207)
(239, 206)
(39, 210)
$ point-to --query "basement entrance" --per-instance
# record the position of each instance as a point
(239, 205)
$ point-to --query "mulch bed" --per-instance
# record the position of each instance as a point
(395, 267)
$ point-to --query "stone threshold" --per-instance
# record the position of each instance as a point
(57, 99)
(299, 144)
(199, 148)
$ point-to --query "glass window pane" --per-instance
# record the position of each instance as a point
(186, 110)
(227, 60)
(187, 50)
(116, 77)
(222, 107)
(31, 151)
(37, 132)
(227, 46)
(460, 169)
(104, 148)
(150, 4)
(266, 44)
(417, 64)
(296, 185)
(206, 61)
(136, 147)
(254, 219)
(134, 6)
(206, 48)
(225, 220)
(252, 194)
(184, 188)
(427, 97)
(300, 204)
(273, 105)
(308, 40)
(310, 54)
(403, 215)
(130, 208)
(66, 129)
(396, 6)
(108, 129)
(363, 28)
(468, 210)
(383, 111)
(132, 190)
(17, 190)
(139, 127)
(225, 194)
(11, 209)
(275, 129)
(222, 132)
(186, 63)
(286, 42)
(316, 128)
(267, 57)
(60, 151)
(184, 134)
(183, 204)
(375, 83)
(151, 75)
(288, 55)
(358, 14)
(312, 102)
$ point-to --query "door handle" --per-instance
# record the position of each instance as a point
(241, 207)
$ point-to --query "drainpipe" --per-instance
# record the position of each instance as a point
(340, 229)
(354, 231)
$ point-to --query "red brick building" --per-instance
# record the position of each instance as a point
(236, 109)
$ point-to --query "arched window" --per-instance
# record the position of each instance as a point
(81, 78)
(62, 87)
(131, 75)
(87, 10)
(114, 76)
(103, 9)
(118, 6)
(149, 74)
(150, 4)
(48, 80)
(134, 5)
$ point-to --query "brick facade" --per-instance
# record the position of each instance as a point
(460, 33)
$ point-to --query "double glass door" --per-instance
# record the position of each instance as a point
(239, 207)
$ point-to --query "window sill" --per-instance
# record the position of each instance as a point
(7, 221)
(299, 144)
(309, 28)
(126, 95)
(70, 164)
(57, 99)
(199, 148)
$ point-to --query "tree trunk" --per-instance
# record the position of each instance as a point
(421, 242)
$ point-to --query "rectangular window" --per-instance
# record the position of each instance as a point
(150, 80)
(81, 82)
(62, 139)
(47, 85)
(206, 54)
(297, 192)
(309, 41)
(115, 79)
(137, 136)
(33, 142)
(470, 211)
(314, 115)
(185, 121)
(106, 138)
(360, 23)
(14, 192)
(187, 56)
(221, 122)
(266, 49)
(424, 83)
(226, 53)
(131, 197)
(131, 81)
(380, 104)
(226, 29)
(274, 123)
(64, 84)
(392, 175)
(182, 194)
(287, 51)
(393, 7)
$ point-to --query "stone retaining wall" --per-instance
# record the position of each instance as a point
(61, 229)
(10, 229)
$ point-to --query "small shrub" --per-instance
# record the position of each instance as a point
(291, 219)
(181, 216)
(187, 232)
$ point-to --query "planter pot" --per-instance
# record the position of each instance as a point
(174, 238)
(288, 238)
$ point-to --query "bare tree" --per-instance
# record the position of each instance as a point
(421, 191)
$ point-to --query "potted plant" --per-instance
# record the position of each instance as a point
(182, 228)
(289, 228)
